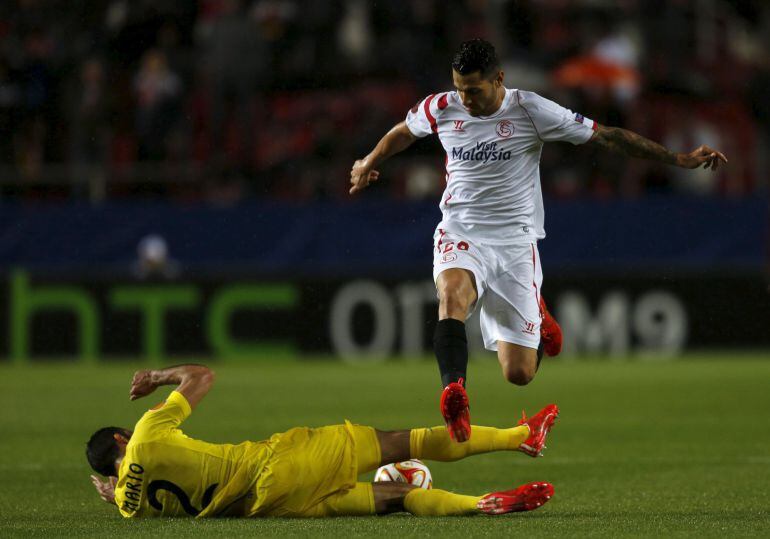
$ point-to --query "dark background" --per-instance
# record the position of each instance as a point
(211, 141)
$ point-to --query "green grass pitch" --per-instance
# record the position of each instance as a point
(642, 448)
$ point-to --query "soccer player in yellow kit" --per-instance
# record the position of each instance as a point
(156, 470)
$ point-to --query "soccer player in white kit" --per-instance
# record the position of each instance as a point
(485, 247)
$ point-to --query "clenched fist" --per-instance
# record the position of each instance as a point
(361, 175)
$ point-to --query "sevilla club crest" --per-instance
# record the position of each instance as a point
(504, 128)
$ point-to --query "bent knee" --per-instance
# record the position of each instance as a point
(518, 374)
(519, 363)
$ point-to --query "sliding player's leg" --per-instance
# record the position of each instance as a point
(435, 443)
(435, 502)
(394, 497)
(314, 471)
(375, 448)
(391, 497)
(529, 437)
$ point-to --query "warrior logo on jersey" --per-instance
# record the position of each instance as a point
(579, 118)
(529, 327)
(504, 128)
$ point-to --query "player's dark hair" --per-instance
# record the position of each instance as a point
(476, 55)
(102, 449)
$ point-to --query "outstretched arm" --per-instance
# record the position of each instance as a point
(398, 139)
(629, 143)
(194, 382)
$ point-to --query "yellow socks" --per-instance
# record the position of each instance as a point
(436, 502)
(435, 444)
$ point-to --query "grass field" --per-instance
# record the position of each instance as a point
(641, 448)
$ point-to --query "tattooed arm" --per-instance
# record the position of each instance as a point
(629, 143)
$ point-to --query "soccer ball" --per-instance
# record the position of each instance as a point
(412, 471)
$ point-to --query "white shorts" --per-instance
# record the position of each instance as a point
(508, 281)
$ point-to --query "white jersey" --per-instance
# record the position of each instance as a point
(493, 191)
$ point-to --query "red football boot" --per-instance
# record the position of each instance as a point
(454, 408)
(550, 331)
(525, 498)
(539, 425)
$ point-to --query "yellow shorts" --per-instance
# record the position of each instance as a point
(312, 473)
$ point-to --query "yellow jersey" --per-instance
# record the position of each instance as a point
(165, 473)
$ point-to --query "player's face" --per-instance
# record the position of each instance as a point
(480, 96)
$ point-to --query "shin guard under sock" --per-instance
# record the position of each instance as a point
(437, 503)
(451, 347)
(435, 444)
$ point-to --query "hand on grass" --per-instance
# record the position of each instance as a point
(106, 489)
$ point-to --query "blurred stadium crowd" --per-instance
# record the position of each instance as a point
(224, 99)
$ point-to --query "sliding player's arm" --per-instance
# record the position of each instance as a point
(629, 143)
(193, 381)
(398, 139)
